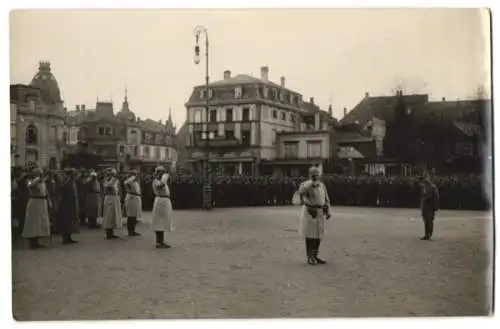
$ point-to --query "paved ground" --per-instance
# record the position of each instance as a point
(250, 263)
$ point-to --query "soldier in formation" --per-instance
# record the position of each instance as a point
(133, 202)
(162, 208)
(112, 212)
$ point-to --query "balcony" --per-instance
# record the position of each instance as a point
(298, 157)
(217, 142)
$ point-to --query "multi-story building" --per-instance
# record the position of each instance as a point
(124, 141)
(38, 120)
(246, 115)
(399, 134)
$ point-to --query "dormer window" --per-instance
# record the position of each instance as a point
(202, 94)
(291, 99)
(266, 92)
(275, 93)
(282, 96)
(238, 91)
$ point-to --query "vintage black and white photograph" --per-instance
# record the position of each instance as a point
(251, 163)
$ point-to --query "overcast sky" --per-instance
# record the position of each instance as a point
(332, 55)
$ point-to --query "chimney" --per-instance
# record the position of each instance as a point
(330, 109)
(367, 94)
(227, 74)
(78, 108)
(345, 111)
(82, 107)
(283, 82)
(311, 100)
(264, 73)
(443, 99)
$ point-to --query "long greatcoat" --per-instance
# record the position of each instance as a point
(429, 201)
(162, 207)
(133, 200)
(112, 212)
(314, 194)
(67, 211)
(93, 199)
(37, 222)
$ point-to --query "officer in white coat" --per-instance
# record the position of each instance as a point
(162, 207)
(133, 203)
(315, 209)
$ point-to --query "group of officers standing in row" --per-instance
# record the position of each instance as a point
(57, 201)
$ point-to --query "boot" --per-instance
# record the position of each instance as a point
(110, 235)
(131, 222)
(68, 240)
(33, 243)
(316, 251)
(93, 223)
(431, 229)
(160, 244)
(310, 259)
(426, 230)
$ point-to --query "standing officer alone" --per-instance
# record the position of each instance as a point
(315, 209)
(133, 203)
(162, 207)
(429, 204)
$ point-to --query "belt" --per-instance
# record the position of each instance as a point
(162, 196)
(110, 194)
(38, 197)
(94, 192)
(316, 207)
(136, 194)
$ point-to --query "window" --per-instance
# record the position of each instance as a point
(292, 99)
(198, 116)
(107, 131)
(31, 135)
(464, 149)
(246, 168)
(291, 150)
(167, 153)
(314, 149)
(213, 115)
(229, 134)
(229, 115)
(65, 137)
(265, 112)
(122, 150)
(238, 91)
(135, 151)
(246, 137)
(100, 131)
(282, 96)
(274, 114)
(283, 116)
(266, 92)
(145, 151)
(202, 94)
(275, 93)
(246, 114)
(292, 118)
(273, 136)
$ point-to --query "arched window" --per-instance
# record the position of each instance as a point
(31, 135)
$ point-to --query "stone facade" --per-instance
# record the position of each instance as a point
(39, 121)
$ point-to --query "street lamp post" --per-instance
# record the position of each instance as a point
(207, 181)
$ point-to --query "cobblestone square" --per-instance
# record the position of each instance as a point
(249, 262)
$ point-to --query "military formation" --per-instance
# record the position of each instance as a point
(61, 202)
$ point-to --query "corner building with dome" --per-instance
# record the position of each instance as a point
(37, 121)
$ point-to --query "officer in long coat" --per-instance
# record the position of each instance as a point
(133, 202)
(429, 204)
(162, 207)
(315, 210)
(37, 222)
(67, 213)
(93, 200)
(112, 212)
